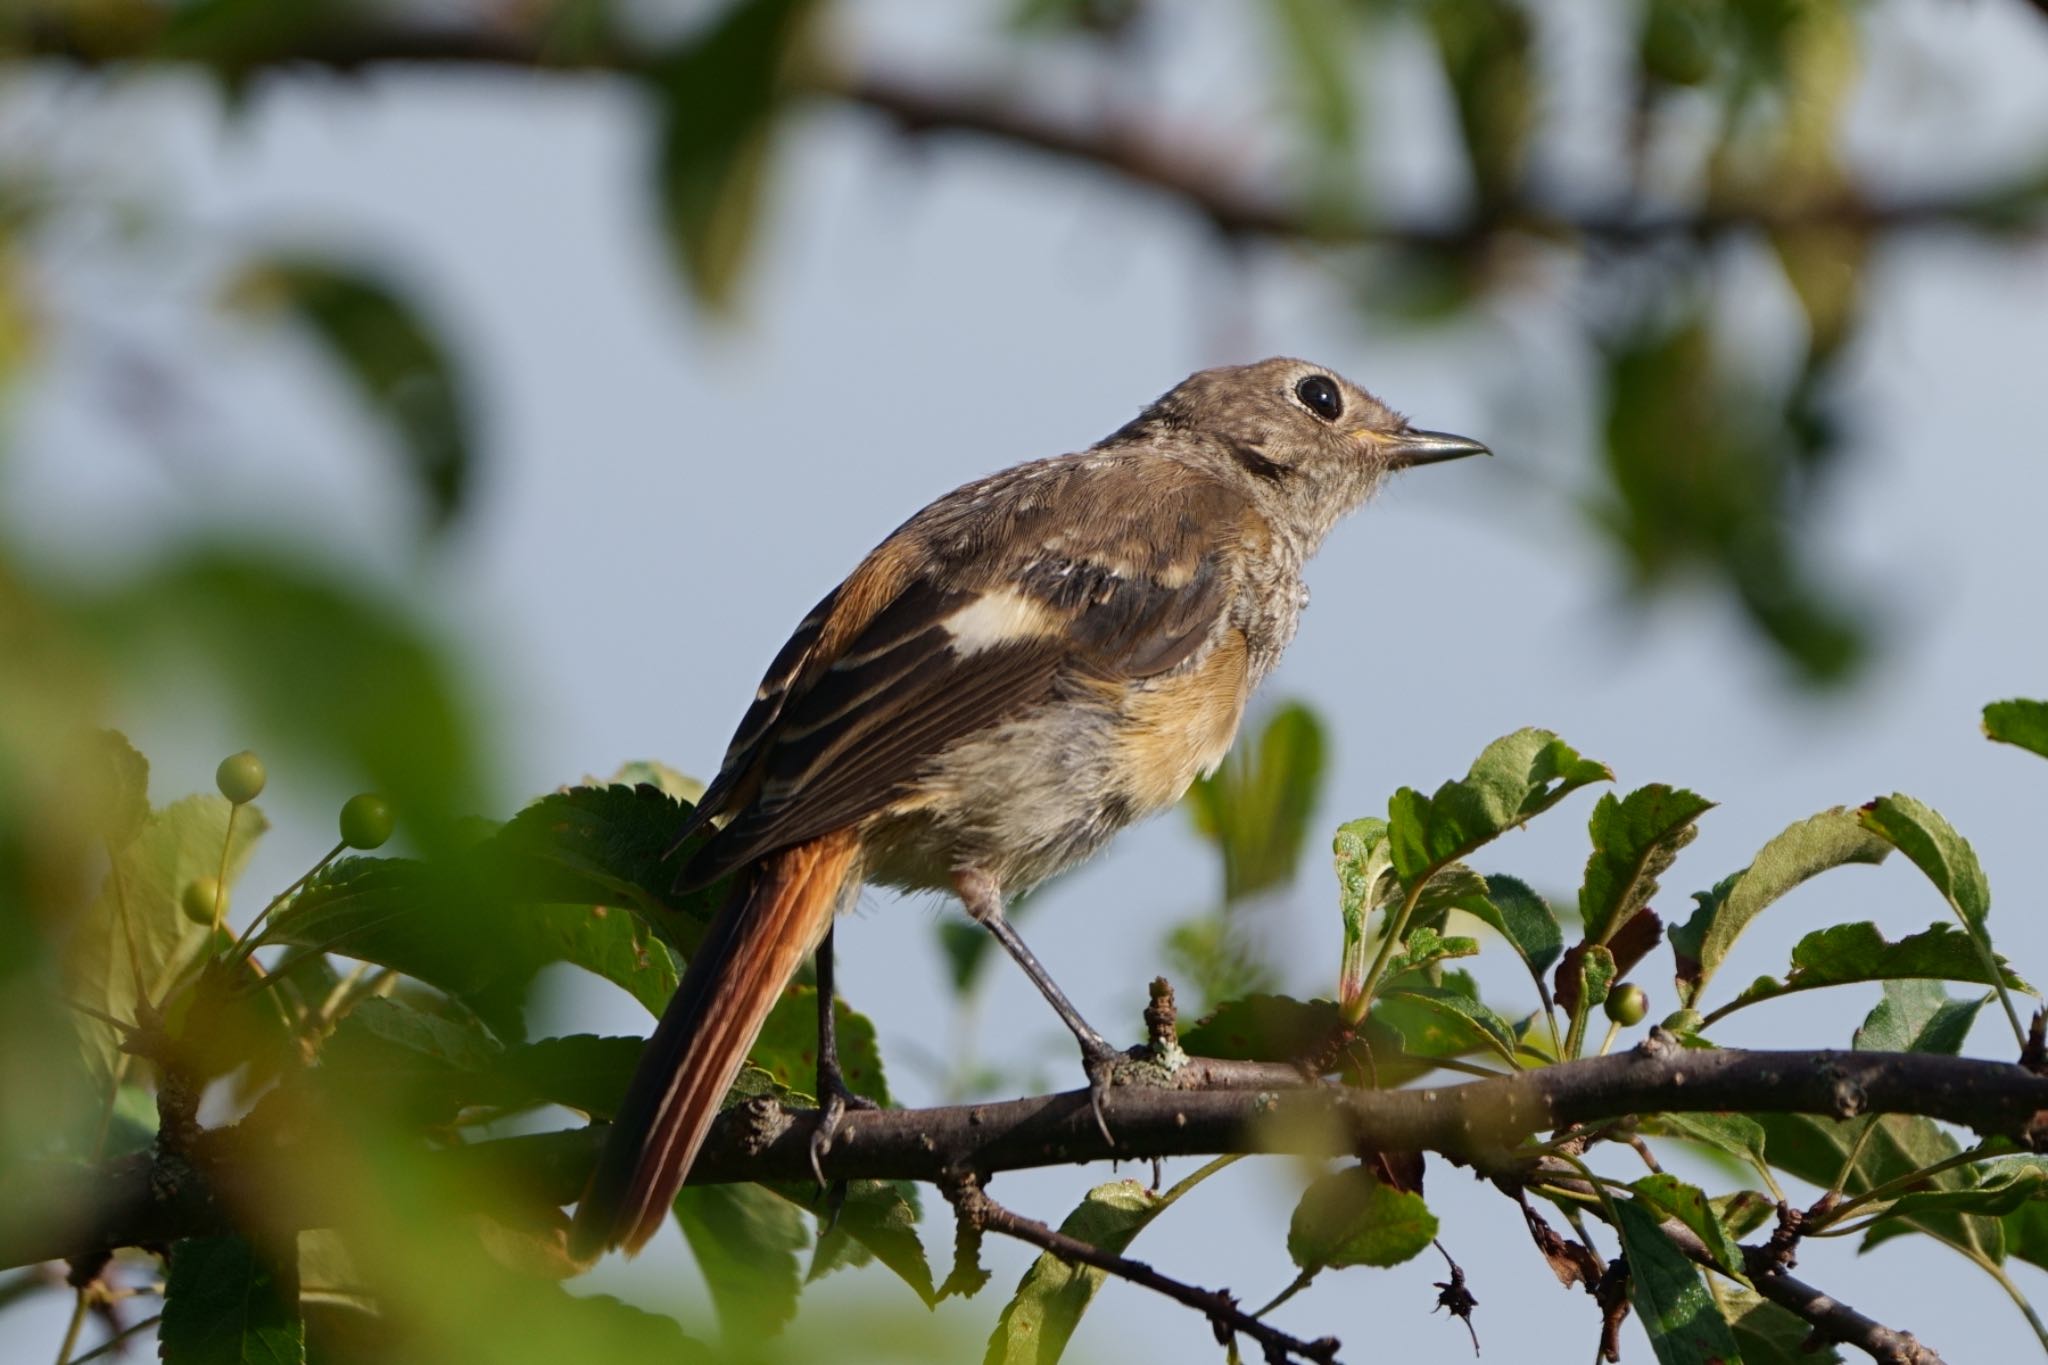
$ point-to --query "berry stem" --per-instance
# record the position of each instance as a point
(220, 882)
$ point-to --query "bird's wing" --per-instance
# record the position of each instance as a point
(977, 608)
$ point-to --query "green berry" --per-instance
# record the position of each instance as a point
(240, 777)
(198, 898)
(1627, 1004)
(366, 821)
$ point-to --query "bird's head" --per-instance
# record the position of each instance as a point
(1302, 437)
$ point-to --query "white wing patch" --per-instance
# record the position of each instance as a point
(1000, 618)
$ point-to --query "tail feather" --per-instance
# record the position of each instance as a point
(755, 946)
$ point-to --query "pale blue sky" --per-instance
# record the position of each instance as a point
(920, 315)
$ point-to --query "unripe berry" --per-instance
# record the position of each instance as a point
(198, 898)
(240, 777)
(366, 821)
(1627, 1004)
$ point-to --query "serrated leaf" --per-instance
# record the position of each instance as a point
(1040, 1317)
(2004, 1185)
(603, 846)
(116, 778)
(396, 361)
(1673, 1198)
(878, 1221)
(1523, 918)
(1516, 778)
(2019, 722)
(1351, 1217)
(1635, 839)
(746, 1239)
(1919, 832)
(225, 1305)
(1847, 953)
(719, 98)
(1803, 850)
(1684, 1322)
(176, 846)
(1769, 1335)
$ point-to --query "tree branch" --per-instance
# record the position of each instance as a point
(1203, 1108)
(973, 1206)
(1185, 171)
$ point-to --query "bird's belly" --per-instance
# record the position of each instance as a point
(1025, 799)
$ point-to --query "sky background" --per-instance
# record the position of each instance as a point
(665, 495)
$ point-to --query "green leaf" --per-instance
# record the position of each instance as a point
(1317, 35)
(1769, 1335)
(1847, 953)
(719, 98)
(1263, 1028)
(409, 1059)
(395, 359)
(1041, 1316)
(1524, 918)
(1425, 946)
(746, 1239)
(1738, 1135)
(605, 846)
(1917, 1016)
(1805, 849)
(427, 920)
(1351, 1217)
(1444, 1023)
(177, 845)
(117, 782)
(1684, 1322)
(878, 1221)
(1936, 849)
(788, 1046)
(583, 1071)
(1635, 839)
(2020, 722)
(1486, 48)
(2004, 1185)
(1516, 778)
(1673, 1198)
(1256, 807)
(225, 1305)
(1366, 884)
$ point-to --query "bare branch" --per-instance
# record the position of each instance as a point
(1187, 171)
(974, 1206)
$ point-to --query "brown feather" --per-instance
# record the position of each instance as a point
(748, 957)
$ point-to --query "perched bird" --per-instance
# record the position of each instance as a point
(1022, 669)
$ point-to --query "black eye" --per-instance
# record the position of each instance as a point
(1320, 397)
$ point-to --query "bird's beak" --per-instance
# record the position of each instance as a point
(1406, 449)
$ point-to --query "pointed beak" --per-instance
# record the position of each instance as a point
(1406, 449)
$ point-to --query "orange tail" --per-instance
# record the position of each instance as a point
(772, 923)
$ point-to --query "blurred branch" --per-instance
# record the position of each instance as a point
(973, 1206)
(1203, 1108)
(1196, 176)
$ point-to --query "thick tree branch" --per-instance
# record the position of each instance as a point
(1185, 171)
(1205, 1108)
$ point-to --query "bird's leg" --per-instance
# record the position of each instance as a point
(834, 1099)
(984, 902)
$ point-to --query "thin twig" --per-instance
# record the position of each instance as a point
(1220, 1307)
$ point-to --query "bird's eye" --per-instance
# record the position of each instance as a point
(1319, 395)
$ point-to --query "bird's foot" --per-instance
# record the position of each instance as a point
(1101, 1058)
(834, 1100)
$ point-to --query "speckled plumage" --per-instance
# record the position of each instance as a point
(1019, 671)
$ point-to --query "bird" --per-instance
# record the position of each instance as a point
(1020, 670)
